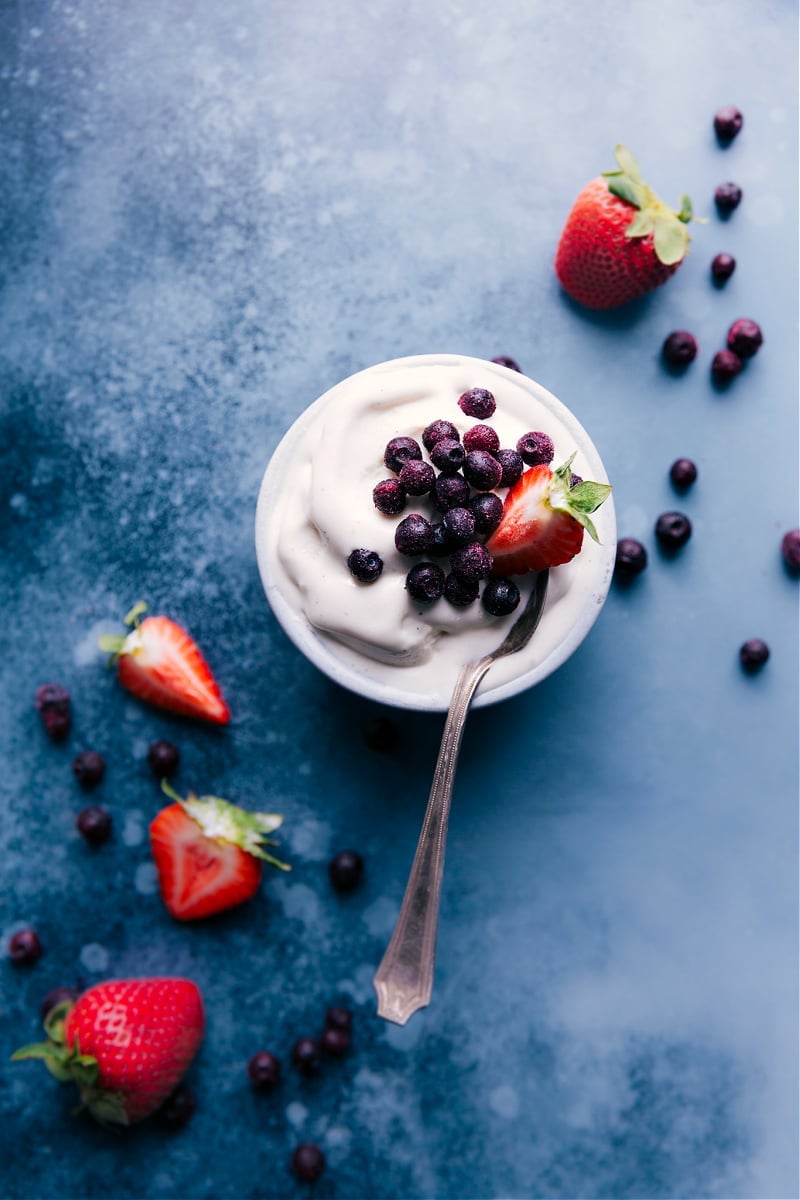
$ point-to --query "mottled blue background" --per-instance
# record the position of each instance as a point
(210, 213)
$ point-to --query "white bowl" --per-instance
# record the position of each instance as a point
(577, 590)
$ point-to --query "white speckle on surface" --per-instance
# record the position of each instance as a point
(20, 504)
(145, 879)
(94, 957)
(87, 651)
(380, 916)
(133, 828)
(296, 1113)
(139, 748)
(299, 903)
(504, 1101)
(310, 840)
(697, 305)
(338, 1137)
(304, 769)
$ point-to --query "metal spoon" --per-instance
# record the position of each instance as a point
(404, 979)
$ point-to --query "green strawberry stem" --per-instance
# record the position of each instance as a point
(114, 644)
(226, 822)
(668, 226)
(578, 501)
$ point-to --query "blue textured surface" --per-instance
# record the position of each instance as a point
(210, 214)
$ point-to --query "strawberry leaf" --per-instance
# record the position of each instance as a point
(671, 239)
(685, 212)
(628, 162)
(226, 822)
(586, 497)
(625, 189)
(642, 224)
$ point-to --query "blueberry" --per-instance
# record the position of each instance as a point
(683, 473)
(54, 704)
(389, 497)
(471, 562)
(725, 366)
(414, 535)
(448, 455)
(459, 526)
(417, 477)
(335, 1042)
(574, 479)
(727, 197)
(478, 403)
(365, 565)
(338, 1017)
(450, 491)
(482, 470)
(264, 1070)
(500, 597)
(94, 824)
(481, 437)
(673, 530)
(790, 549)
(381, 734)
(24, 947)
(503, 360)
(631, 559)
(55, 997)
(425, 582)
(679, 349)
(399, 450)
(308, 1162)
(163, 759)
(535, 448)
(437, 430)
(753, 654)
(89, 768)
(512, 466)
(346, 870)
(745, 337)
(722, 267)
(460, 592)
(441, 545)
(487, 509)
(727, 123)
(307, 1055)
(178, 1108)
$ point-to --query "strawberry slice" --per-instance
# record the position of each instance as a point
(209, 854)
(543, 520)
(159, 662)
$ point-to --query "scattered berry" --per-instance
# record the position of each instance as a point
(389, 497)
(54, 704)
(365, 565)
(679, 349)
(339, 1018)
(399, 450)
(425, 582)
(264, 1070)
(535, 448)
(631, 558)
(725, 366)
(482, 470)
(500, 597)
(417, 477)
(503, 360)
(790, 549)
(179, 1108)
(487, 509)
(94, 824)
(380, 734)
(24, 947)
(307, 1055)
(450, 491)
(512, 466)
(472, 562)
(89, 768)
(308, 1162)
(335, 1041)
(459, 526)
(478, 403)
(56, 996)
(722, 267)
(460, 592)
(414, 535)
(673, 530)
(346, 870)
(437, 430)
(727, 197)
(745, 337)
(727, 123)
(163, 758)
(683, 473)
(753, 654)
(481, 437)
(448, 455)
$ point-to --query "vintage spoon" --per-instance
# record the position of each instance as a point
(404, 980)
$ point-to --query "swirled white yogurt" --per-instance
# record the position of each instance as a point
(315, 507)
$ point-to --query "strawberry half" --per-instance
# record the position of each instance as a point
(209, 854)
(620, 240)
(159, 662)
(125, 1043)
(543, 520)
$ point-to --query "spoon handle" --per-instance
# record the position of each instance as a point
(404, 979)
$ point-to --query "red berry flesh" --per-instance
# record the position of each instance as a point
(89, 768)
(24, 947)
(725, 366)
(346, 870)
(389, 497)
(679, 349)
(753, 654)
(94, 824)
(790, 549)
(683, 473)
(673, 530)
(727, 197)
(163, 759)
(264, 1070)
(745, 337)
(728, 122)
(399, 450)
(631, 559)
(722, 267)
(54, 704)
(308, 1162)
(478, 403)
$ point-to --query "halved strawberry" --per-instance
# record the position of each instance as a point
(159, 662)
(209, 854)
(543, 520)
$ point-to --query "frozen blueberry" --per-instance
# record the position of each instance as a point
(753, 654)
(450, 491)
(441, 545)
(745, 337)
(631, 559)
(55, 997)
(478, 403)
(472, 561)
(574, 479)
(482, 470)
(790, 549)
(399, 450)
(24, 946)
(673, 530)
(503, 360)
(727, 123)
(307, 1055)
(94, 824)
(512, 466)
(535, 447)
(679, 349)
(414, 535)
(722, 267)
(365, 565)
(339, 1017)
(481, 437)
(264, 1070)
(389, 497)
(437, 430)
(727, 197)
(417, 477)
(89, 768)
(459, 526)
(460, 592)
(380, 734)
(683, 473)
(54, 704)
(346, 870)
(725, 366)
(500, 597)
(163, 759)
(335, 1042)
(425, 582)
(179, 1108)
(308, 1162)
(448, 455)
(487, 509)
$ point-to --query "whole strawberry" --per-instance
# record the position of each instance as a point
(125, 1043)
(620, 241)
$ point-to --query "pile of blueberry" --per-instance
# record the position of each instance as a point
(459, 482)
